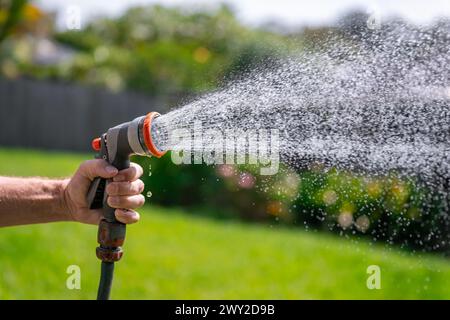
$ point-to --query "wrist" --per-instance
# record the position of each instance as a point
(63, 202)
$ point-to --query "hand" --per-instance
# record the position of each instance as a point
(124, 192)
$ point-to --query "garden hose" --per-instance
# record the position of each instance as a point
(116, 146)
(106, 278)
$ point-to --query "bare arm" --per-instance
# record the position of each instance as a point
(40, 200)
(31, 200)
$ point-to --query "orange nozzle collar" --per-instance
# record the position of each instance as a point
(148, 136)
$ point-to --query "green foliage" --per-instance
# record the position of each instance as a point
(12, 10)
(156, 50)
(383, 208)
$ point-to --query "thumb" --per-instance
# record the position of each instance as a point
(97, 168)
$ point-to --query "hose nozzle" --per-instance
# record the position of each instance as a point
(134, 137)
(116, 146)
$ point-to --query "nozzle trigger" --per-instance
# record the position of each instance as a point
(96, 193)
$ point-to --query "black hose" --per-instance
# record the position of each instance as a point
(106, 278)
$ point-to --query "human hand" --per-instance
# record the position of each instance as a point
(124, 192)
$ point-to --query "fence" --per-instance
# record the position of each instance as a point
(61, 116)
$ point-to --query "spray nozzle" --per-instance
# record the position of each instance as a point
(139, 136)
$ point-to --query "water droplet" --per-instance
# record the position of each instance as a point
(149, 194)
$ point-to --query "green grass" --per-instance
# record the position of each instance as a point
(172, 255)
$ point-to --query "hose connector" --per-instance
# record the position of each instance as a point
(110, 237)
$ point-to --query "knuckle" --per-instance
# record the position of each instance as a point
(91, 168)
(139, 170)
(111, 188)
(140, 200)
(142, 186)
(113, 201)
(133, 172)
(139, 186)
(85, 165)
(135, 165)
(123, 187)
(127, 174)
(126, 202)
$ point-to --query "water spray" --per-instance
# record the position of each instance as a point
(379, 107)
(116, 146)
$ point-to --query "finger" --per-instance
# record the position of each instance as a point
(131, 174)
(97, 168)
(125, 188)
(127, 202)
(127, 216)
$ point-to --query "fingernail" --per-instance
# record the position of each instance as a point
(127, 213)
(111, 169)
(130, 213)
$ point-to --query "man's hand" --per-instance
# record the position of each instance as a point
(124, 193)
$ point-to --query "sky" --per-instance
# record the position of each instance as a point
(290, 13)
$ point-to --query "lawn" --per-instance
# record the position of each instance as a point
(173, 255)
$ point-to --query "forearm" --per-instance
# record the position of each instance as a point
(32, 200)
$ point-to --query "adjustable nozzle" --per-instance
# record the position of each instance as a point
(134, 137)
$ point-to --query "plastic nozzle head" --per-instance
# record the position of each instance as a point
(151, 146)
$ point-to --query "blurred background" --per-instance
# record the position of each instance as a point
(69, 71)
